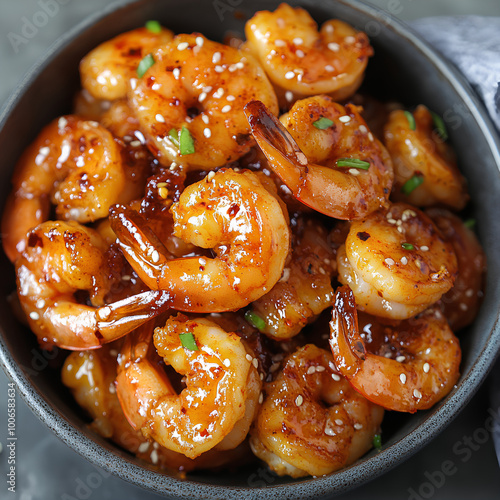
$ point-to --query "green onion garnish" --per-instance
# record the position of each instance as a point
(407, 246)
(353, 163)
(144, 65)
(412, 183)
(323, 123)
(188, 341)
(153, 26)
(186, 143)
(255, 320)
(470, 223)
(440, 126)
(174, 136)
(377, 441)
(411, 120)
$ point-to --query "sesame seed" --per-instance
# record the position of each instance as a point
(207, 132)
(34, 316)
(62, 122)
(349, 39)
(163, 192)
(320, 369)
(104, 313)
(339, 422)
(249, 358)
(389, 261)
(299, 53)
(202, 261)
(311, 370)
(418, 263)
(210, 176)
(230, 98)
(44, 151)
(400, 229)
(299, 400)
(336, 377)
(362, 129)
(427, 367)
(370, 136)
(463, 306)
(333, 46)
(345, 119)
(261, 398)
(143, 447)
(261, 376)
(329, 28)
(135, 144)
(354, 171)
(289, 75)
(216, 57)
(469, 292)
(227, 363)
(240, 65)
(358, 426)
(154, 457)
(400, 359)
(226, 108)
(205, 118)
(322, 271)
(428, 350)
(392, 221)
(255, 362)
(40, 303)
(218, 69)
(176, 72)
(199, 41)
(402, 377)
(404, 260)
(202, 97)
(289, 96)
(329, 68)
(126, 277)
(219, 92)
(424, 248)
(182, 46)
(155, 256)
(329, 431)
(298, 41)
(279, 43)
(159, 118)
(417, 393)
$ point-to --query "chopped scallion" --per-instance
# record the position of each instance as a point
(186, 143)
(188, 341)
(470, 223)
(323, 123)
(174, 136)
(153, 26)
(412, 183)
(407, 246)
(255, 320)
(377, 441)
(440, 126)
(353, 163)
(144, 65)
(411, 120)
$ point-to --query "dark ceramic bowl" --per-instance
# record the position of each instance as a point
(404, 68)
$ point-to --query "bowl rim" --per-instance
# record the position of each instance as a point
(333, 484)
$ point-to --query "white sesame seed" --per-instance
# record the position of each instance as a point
(199, 41)
(428, 350)
(104, 312)
(402, 377)
(176, 72)
(155, 256)
(370, 136)
(329, 68)
(299, 400)
(279, 43)
(261, 376)
(207, 132)
(240, 65)
(34, 316)
(143, 447)
(339, 422)
(424, 248)
(182, 46)
(418, 263)
(202, 97)
(400, 359)
(159, 118)
(227, 362)
(226, 108)
(388, 355)
(289, 96)
(349, 39)
(358, 426)
(329, 431)
(135, 144)
(345, 119)
(40, 303)
(463, 306)
(299, 53)
(261, 398)
(400, 229)
(126, 277)
(205, 118)
(320, 369)
(392, 221)
(289, 75)
(311, 370)
(417, 393)
(44, 151)
(329, 28)
(62, 122)
(354, 171)
(363, 129)
(219, 92)
(202, 261)
(255, 362)
(469, 292)
(389, 261)
(333, 46)
(298, 41)
(210, 176)
(230, 98)
(218, 69)
(427, 367)
(154, 457)
(216, 57)
(336, 377)
(404, 260)
(249, 358)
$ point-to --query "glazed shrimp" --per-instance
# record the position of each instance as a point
(396, 263)
(195, 91)
(312, 422)
(424, 372)
(460, 305)
(107, 69)
(303, 61)
(219, 378)
(62, 258)
(422, 152)
(76, 165)
(229, 212)
(305, 157)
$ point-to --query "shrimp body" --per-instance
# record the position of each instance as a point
(76, 165)
(231, 213)
(422, 152)
(299, 58)
(396, 263)
(312, 422)
(429, 351)
(305, 157)
(213, 400)
(199, 86)
(107, 69)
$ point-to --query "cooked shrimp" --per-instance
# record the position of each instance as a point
(76, 165)
(396, 263)
(305, 289)
(218, 381)
(305, 157)
(229, 212)
(62, 258)
(460, 305)
(301, 60)
(107, 69)
(422, 152)
(424, 372)
(195, 92)
(312, 421)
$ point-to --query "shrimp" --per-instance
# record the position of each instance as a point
(308, 166)
(231, 213)
(460, 305)
(305, 289)
(190, 102)
(107, 69)
(425, 371)
(219, 379)
(311, 421)
(302, 61)
(76, 165)
(420, 151)
(61, 259)
(396, 263)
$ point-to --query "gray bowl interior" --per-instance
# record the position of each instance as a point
(404, 69)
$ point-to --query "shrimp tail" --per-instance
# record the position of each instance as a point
(345, 341)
